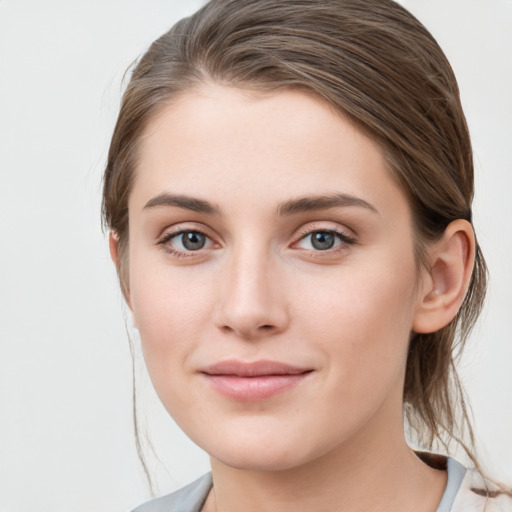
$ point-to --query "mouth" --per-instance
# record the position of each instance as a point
(253, 381)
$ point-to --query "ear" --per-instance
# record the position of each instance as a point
(444, 284)
(113, 243)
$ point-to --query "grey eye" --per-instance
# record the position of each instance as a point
(322, 240)
(325, 240)
(193, 240)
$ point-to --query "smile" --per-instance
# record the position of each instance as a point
(249, 382)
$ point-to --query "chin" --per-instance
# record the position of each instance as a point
(259, 460)
(273, 451)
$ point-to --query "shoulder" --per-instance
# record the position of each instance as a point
(477, 494)
(187, 499)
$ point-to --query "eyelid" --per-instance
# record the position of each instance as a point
(174, 231)
(345, 234)
(345, 239)
(183, 227)
(170, 236)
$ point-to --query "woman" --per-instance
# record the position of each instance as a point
(289, 190)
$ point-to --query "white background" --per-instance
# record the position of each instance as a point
(66, 437)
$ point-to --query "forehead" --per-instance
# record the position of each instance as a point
(268, 147)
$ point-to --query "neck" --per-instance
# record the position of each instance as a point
(373, 472)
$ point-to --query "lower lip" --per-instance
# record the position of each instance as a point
(252, 389)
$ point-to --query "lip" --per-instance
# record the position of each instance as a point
(253, 381)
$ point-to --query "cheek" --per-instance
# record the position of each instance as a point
(170, 311)
(361, 320)
(375, 296)
(169, 314)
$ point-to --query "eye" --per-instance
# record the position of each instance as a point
(186, 241)
(192, 240)
(323, 240)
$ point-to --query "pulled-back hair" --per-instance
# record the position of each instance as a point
(381, 69)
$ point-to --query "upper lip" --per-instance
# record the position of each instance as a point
(253, 369)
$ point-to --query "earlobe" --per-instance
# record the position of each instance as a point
(113, 244)
(445, 282)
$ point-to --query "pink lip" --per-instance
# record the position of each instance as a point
(249, 382)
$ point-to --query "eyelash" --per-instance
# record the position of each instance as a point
(343, 238)
(340, 235)
(164, 242)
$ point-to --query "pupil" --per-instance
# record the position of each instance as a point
(193, 240)
(322, 240)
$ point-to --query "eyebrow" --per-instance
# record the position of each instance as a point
(291, 207)
(311, 203)
(185, 202)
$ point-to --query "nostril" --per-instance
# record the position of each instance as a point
(266, 327)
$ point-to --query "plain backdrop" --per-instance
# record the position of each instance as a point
(66, 432)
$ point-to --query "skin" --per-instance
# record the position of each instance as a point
(260, 290)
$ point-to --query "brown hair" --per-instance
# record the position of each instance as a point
(379, 66)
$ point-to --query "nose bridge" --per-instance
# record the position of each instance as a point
(252, 301)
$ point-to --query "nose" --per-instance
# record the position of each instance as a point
(252, 301)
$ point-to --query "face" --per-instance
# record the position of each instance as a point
(271, 276)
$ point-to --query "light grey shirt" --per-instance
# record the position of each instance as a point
(192, 497)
